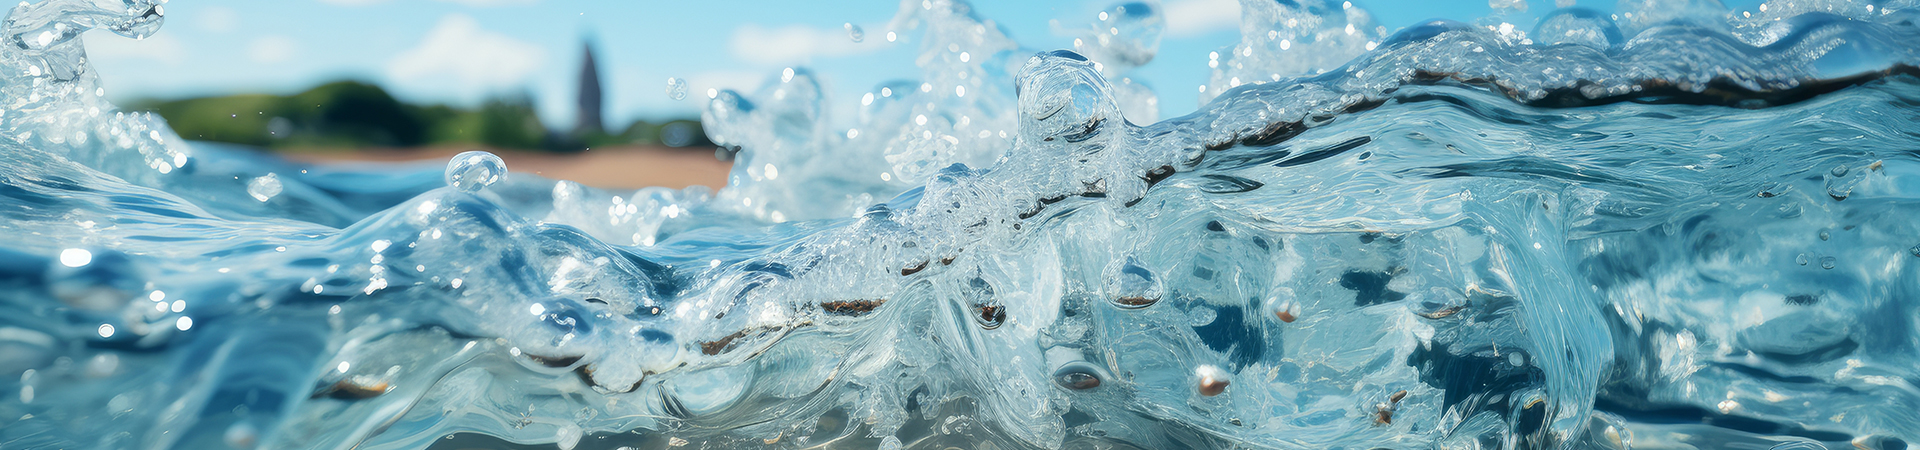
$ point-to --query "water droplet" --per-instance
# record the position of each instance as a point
(1078, 375)
(1517, 359)
(890, 443)
(676, 89)
(1839, 171)
(1915, 250)
(475, 170)
(1131, 285)
(855, 33)
(1827, 262)
(1802, 259)
(1825, 235)
(264, 188)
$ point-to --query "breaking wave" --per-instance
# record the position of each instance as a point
(1666, 227)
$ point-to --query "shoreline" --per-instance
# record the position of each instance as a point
(627, 167)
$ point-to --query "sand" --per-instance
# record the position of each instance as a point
(616, 168)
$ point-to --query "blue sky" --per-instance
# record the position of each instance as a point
(462, 51)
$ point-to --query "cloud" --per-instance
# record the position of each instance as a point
(492, 3)
(162, 48)
(795, 44)
(271, 49)
(469, 3)
(218, 19)
(1188, 18)
(458, 55)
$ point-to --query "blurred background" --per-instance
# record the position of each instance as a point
(577, 90)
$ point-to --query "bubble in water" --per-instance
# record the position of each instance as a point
(1839, 171)
(567, 436)
(1281, 303)
(855, 33)
(1213, 381)
(1131, 285)
(1827, 262)
(1438, 303)
(242, 435)
(264, 188)
(987, 311)
(676, 88)
(475, 170)
(1915, 250)
(890, 443)
(1802, 259)
(1078, 375)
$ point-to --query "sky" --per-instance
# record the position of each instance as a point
(462, 52)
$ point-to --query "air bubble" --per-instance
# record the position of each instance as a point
(1078, 375)
(1827, 262)
(1212, 380)
(1131, 285)
(241, 435)
(475, 170)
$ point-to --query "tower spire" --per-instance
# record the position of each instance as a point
(589, 105)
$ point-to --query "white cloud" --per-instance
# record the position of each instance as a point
(106, 46)
(492, 3)
(271, 49)
(471, 3)
(795, 44)
(1188, 18)
(218, 19)
(458, 55)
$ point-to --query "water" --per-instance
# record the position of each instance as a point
(1681, 229)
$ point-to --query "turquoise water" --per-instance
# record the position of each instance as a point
(1667, 226)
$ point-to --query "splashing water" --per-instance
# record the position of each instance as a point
(1599, 234)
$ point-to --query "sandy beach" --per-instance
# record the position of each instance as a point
(617, 168)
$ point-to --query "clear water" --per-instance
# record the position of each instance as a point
(1685, 228)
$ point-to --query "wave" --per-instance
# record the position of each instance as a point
(1460, 236)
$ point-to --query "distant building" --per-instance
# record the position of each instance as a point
(588, 108)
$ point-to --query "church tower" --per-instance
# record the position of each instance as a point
(588, 108)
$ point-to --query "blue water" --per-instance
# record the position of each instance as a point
(1667, 226)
